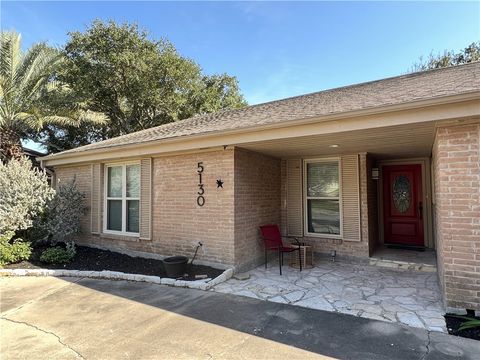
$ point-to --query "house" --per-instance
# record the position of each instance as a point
(33, 155)
(394, 161)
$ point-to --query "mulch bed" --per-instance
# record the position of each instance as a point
(88, 258)
(453, 323)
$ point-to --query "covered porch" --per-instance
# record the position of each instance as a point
(385, 267)
(362, 210)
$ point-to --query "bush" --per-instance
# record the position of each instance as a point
(58, 254)
(63, 213)
(13, 252)
(24, 192)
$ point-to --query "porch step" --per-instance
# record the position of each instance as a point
(396, 264)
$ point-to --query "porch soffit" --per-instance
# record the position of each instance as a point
(412, 140)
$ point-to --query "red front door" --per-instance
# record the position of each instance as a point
(402, 205)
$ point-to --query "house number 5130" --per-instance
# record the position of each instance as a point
(201, 190)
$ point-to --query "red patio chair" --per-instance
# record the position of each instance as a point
(272, 240)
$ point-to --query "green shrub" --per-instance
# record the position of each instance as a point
(12, 252)
(24, 192)
(58, 254)
(469, 323)
(63, 213)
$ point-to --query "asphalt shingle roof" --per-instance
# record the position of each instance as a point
(391, 91)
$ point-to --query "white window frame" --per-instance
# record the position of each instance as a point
(124, 199)
(306, 197)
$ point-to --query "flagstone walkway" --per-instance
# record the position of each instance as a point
(407, 297)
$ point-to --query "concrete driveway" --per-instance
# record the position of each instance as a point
(54, 318)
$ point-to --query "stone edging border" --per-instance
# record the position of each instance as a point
(203, 284)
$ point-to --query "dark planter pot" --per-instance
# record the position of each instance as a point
(175, 266)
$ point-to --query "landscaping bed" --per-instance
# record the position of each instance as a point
(453, 323)
(87, 258)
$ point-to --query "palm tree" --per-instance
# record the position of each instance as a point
(31, 97)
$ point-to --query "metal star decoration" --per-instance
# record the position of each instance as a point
(219, 183)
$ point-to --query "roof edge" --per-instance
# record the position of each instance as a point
(369, 82)
(467, 96)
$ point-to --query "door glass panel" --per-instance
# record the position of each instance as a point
(132, 215)
(401, 193)
(115, 181)
(322, 179)
(323, 216)
(133, 181)
(114, 215)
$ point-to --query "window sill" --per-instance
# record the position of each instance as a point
(122, 237)
(323, 236)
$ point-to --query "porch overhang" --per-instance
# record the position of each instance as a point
(390, 142)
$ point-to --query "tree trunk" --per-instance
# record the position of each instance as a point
(10, 145)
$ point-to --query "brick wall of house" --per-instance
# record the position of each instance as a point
(363, 245)
(253, 194)
(456, 168)
(355, 250)
(257, 202)
(178, 223)
(82, 175)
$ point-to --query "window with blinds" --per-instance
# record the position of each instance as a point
(322, 197)
(122, 200)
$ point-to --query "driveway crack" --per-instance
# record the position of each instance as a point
(45, 332)
(427, 346)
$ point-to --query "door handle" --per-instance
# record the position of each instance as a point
(420, 210)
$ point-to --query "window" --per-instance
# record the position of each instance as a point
(122, 206)
(322, 191)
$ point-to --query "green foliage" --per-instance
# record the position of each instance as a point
(58, 254)
(214, 93)
(449, 58)
(12, 252)
(31, 96)
(470, 323)
(63, 213)
(24, 193)
(138, 82)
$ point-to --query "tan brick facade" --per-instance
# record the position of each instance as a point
(178, 222)
(456, 165)
(227, 224)
(257, 202)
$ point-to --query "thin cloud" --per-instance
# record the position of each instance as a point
(285, 81)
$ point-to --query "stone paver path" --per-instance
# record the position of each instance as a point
(408, 297)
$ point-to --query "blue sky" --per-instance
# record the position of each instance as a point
(276, 49)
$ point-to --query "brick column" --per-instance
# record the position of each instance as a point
(456, 170)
